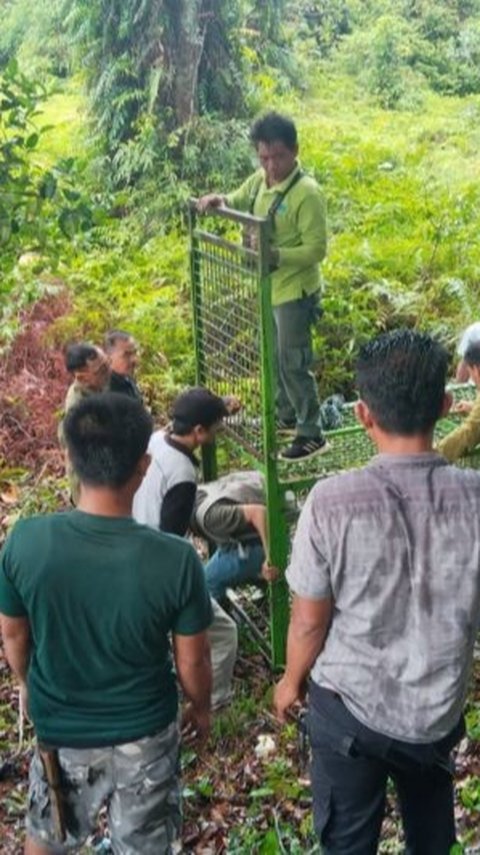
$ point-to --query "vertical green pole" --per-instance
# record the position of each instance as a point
(277, 526)
(209, 455)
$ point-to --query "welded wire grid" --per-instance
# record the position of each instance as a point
(228, 330)
(249, 607)
(351, 447)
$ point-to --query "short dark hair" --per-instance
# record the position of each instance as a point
(77, 355)
(106, 436)
(472, 354)
(197, 406)
(401, 376)
(112, 337)
(273, 127)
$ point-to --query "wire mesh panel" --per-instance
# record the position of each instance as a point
(351, 447)
(226, 278)
(233, 331)
(234, 347)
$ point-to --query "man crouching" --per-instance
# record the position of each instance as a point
(87, 600)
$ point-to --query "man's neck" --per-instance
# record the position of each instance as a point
(187, 442)
(281, 180)
(403, 445)
(104, 502)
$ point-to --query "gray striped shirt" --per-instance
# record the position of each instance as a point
(397, 547)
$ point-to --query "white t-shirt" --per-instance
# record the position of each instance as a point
(470, 336)
(168, 468)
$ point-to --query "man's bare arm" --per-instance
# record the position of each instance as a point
(256, 515)
(194, 672)
(309, 625)
(16, 642)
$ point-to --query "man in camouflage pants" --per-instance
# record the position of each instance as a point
(88, 602)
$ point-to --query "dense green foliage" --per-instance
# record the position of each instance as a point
(99, 151)
(40, 205)
(35, 35)
(153, 68)
(395, 154)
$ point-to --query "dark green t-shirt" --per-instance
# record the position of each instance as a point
(101, 595)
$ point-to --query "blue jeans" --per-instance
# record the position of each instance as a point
(233, 565)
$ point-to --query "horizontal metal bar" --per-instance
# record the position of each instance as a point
(223, 243)
(229, 214)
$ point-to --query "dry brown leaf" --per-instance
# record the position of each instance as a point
(10, 494)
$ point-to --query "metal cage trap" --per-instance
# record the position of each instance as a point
(234, 353)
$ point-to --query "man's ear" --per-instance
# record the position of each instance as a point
(363, 415)
(144, 463)
(199, 433)
(446, 405)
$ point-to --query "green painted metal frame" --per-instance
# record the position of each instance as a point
(234, 345)
(261, 451)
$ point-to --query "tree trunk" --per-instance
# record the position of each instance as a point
(189, 38)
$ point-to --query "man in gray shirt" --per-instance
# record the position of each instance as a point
(385, 573)
(231, 513)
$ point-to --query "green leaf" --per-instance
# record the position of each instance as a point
(68, 222)
(32, 140)
(48, 186)
(5, 231)
(261, 793)
(71, 195)
(269, 844)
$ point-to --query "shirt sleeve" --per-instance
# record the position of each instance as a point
(241, 198)
(11, 603)
(464, 438)
(72, 398)
(311, 223)
(177, 508)
(196, 613)
(308, 573)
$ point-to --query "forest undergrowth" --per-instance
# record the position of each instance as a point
(403, 198)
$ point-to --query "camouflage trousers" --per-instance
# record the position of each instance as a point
(139, 783)
(223, 638)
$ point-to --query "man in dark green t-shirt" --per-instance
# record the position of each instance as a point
(88, 600)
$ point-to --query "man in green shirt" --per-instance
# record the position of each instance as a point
(295, 205)
(90, 370)
(88, 601)
(465, 438)
(88, 366)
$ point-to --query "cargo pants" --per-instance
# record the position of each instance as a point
(297, 400)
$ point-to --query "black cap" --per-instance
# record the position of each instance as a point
(198, 406)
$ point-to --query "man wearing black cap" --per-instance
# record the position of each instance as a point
(166, 498)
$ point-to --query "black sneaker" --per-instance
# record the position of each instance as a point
(286, 427)
(303, 447)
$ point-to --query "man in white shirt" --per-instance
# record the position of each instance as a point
(166, 498)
